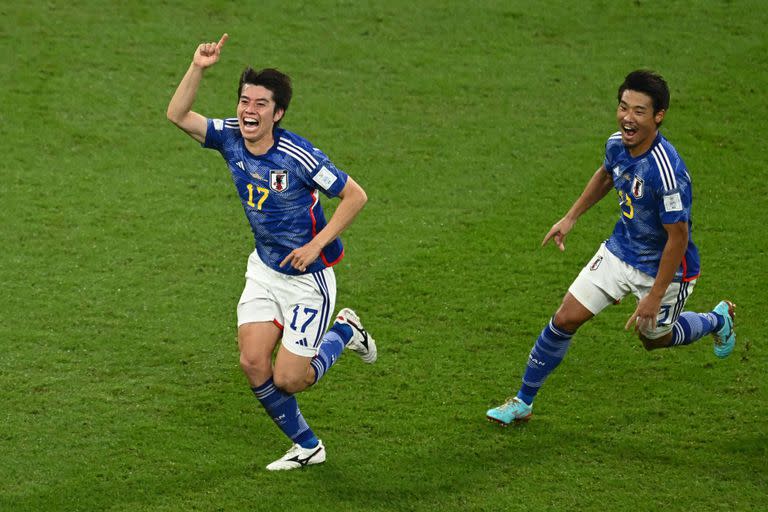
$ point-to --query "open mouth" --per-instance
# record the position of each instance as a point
(250, 122)
(629, 131)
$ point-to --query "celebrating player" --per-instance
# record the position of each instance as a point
(290, 287)
(650, 253)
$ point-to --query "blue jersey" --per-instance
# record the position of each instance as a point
(654, 189)
(279, 192)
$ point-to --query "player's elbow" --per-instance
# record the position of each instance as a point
(363, 198)
(173, 116)
(354, 194)
(358, 194)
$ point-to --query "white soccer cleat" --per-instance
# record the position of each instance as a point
(298, 457)
(361, 342)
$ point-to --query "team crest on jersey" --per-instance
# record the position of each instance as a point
(278, 180)
(637, 187)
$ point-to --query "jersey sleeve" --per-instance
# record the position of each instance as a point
(328, 178)
(312, 167)
(215, 134)
(323, 175)
(612, 150)
(675, 200)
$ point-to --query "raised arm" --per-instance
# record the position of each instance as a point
(597, 187)
(180, 108)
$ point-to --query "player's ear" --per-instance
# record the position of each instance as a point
(658, 117)
(279, 113)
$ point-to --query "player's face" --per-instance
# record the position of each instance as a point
(256, 113)
(637, 122)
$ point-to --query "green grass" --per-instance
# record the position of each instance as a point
(473, 127)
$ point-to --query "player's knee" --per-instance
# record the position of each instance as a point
(653, 343)
(566, 322)
(288, 382)
(647, 344)
(257, 368)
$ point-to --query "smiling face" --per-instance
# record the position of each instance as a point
(257, 115)
(637, 121)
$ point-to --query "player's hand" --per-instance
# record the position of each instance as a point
(207, 54)
(558, 232)
(644, 317)
(302, 257)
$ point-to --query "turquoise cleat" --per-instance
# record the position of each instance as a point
(725, 338)
(513, 410)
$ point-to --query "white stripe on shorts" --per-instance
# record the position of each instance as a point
(324, 310)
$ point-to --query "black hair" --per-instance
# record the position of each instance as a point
(650, 83)
(269, 78)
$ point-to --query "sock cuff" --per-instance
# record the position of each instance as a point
(558, 331)
(343, 331)
(264, 389)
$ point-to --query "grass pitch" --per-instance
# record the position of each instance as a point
(472, 127)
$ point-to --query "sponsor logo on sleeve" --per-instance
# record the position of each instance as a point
(673, 203)
(324, 178)
(218, 124)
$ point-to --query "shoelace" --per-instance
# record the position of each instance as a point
(511, 402)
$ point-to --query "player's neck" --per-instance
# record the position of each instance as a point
(261, 146)
(643, 147)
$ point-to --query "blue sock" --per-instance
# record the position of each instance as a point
(284, 411)
(693, 326)
(720, 321)
(546, 354)
(330, 349)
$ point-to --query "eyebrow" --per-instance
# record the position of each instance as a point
(624, 103)
(246, 97)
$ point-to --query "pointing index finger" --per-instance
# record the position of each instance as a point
(548, 237)
(223, 40)
(632, 319)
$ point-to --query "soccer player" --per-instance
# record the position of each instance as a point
(290, 287)
(650, 253)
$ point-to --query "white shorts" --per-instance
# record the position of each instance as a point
(299, 305)
(606, 279)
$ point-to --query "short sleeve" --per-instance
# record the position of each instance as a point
(612, 151)
(328, 178)
(317, 171)
(675, 203)
(215, 134)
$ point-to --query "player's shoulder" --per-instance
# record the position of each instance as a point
(227, 127)
(227, 123)
(665, 149)
(297, 148)
(666, 160)
(289, 140)
(614, 147)
(614, 142)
